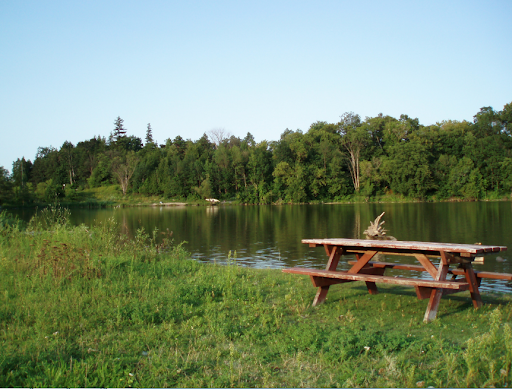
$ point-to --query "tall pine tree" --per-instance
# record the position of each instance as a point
(149, 134)
(119, 131)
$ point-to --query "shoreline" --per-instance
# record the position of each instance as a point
(119, 203)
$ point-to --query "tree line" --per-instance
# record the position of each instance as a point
(376, 156)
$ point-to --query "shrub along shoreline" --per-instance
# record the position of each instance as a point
(113, 197)
(86, 306)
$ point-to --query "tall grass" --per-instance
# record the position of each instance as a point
(89, 307)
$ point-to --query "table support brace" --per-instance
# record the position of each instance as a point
(334, 257)
(473, 284)
(437, 293)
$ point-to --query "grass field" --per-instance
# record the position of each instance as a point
(87, 307)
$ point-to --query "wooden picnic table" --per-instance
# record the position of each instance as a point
(372, 272)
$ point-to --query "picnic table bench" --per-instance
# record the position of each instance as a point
(372, 272)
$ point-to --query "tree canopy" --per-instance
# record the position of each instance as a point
(376, 156)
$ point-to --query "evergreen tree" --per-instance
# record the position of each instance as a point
(5, 186)
(149, 135)
(119, 131)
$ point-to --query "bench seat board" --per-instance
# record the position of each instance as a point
(406, 245)
(458, 272)
(378, 278)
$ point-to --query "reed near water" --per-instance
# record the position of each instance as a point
(87, 306)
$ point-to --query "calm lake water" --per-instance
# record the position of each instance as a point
(270, 236)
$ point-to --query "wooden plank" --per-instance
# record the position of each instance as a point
(362, 261)
(372, 287)
(372, 270)
(442, 272)
(451, 291)
(391, 265)
(473, 285)
(322, 281)
(423, 292)
(403, 252)
(407, 245)
(321, 294)
(334, 257)
(376, 278)
(486, 274)
(334, 253)
(425, 262)
(458, 272)
(437, 293)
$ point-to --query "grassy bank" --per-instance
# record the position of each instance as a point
(112, 196)
(88, 307)
(101, 197)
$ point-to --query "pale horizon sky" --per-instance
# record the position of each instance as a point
(69, 68)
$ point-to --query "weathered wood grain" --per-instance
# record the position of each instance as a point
(458, 272)
(335, 254)
(406, 245)
(377, 278)
(437, 293)
(362, 261)
(473, 284)
(429, 266)
(423, 292)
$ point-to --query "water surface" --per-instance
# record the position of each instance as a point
(270, 236)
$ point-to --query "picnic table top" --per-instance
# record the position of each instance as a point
(407, 245)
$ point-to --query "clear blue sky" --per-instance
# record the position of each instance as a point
(69, 68)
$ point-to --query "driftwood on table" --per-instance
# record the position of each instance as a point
(376, 230)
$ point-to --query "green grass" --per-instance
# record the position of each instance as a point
(103, 197)
(112, 195)
(87, 307)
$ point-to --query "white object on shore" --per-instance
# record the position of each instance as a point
(478, 261)
(213, 201)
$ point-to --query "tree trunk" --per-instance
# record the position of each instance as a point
(353, 166)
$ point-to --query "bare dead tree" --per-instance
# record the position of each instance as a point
(218, 135)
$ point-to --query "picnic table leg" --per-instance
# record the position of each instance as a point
(371, 286)
(321, 294)
(437, 293)
(473, 284)
(361, 263)
(334, 257)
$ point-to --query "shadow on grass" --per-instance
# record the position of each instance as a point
(458, 303)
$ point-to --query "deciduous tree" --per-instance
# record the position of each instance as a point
(123, 169)
(354, 138)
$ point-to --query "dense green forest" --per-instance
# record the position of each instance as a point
(352, 159)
